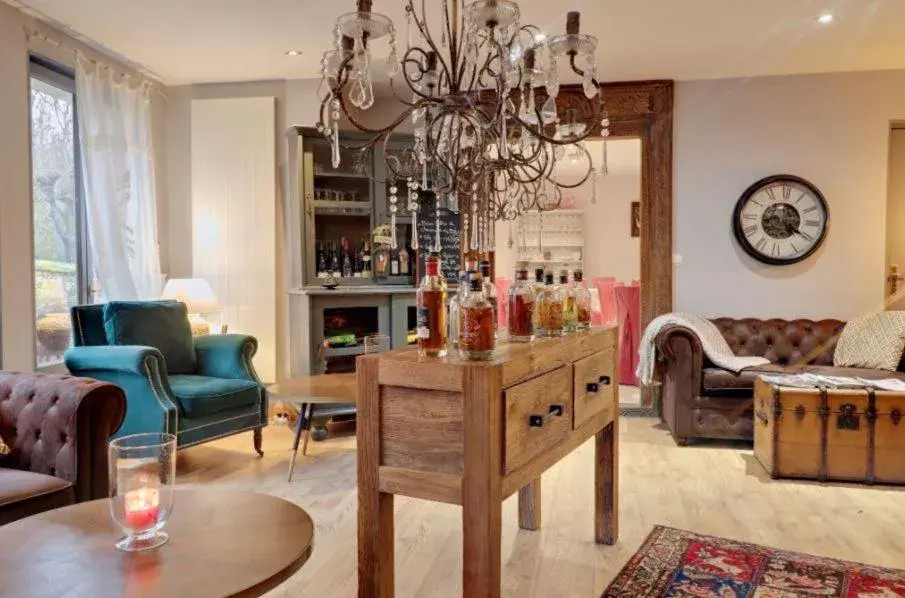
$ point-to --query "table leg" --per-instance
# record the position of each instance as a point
(606, 484)
(481, 549)
(529, 506)
(300, 428)
(309, 420)
(376, 540)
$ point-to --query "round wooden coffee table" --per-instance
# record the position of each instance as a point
(221, 544)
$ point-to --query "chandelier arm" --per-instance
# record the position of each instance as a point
(578, 71)
(422, 27)
(409, 78)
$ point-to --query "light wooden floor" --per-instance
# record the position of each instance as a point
(714, 489)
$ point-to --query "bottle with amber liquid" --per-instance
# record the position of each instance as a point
(582, 300)
(521, 307)
(431, 330)
(548, 305)
(476, 331)
(569, 307)
(490, 293)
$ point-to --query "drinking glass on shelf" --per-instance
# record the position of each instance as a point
(376, 343)
(337, 195)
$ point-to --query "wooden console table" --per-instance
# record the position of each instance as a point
(474, 433)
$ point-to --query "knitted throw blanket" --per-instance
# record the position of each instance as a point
(715, 346)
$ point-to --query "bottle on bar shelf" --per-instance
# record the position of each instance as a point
(394, 262)
(521, 306)
(404, 261)
(490, 293)
(321, 260)
(476, 329)
(582, 300)
(549, 306)
(366, 259)
(336, 266)
(347, 260)
(454, 303)
(431, 301)
(569, 307)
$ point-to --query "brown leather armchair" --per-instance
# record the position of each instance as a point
(58, 427)
(700, 400)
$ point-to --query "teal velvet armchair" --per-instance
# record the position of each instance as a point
(208, 391)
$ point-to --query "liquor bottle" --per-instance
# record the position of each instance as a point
(337, 265)
(521, 307)
(404, 262)
(582, 300)
(432, 328)
(490, 292)
(454, 303)
(394, 262)
(366, 260)
(569, 307)
(347, 260)
(382, 262)
(321, 260)
(476, 334)
(548, 306)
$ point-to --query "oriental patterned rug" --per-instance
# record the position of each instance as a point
(675, 562)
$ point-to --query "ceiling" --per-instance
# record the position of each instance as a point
(193, 41)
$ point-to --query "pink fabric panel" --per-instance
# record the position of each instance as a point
(628, 305)
(607, 299)
(502, 296)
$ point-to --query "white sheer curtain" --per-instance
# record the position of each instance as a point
(114, 117)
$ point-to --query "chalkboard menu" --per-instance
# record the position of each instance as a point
(450, 256)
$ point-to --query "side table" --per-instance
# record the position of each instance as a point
(316, 396)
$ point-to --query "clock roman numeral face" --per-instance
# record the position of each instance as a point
(781, 221)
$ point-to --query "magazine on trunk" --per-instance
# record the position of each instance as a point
(817, 380)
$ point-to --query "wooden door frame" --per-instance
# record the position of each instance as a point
(644, 109)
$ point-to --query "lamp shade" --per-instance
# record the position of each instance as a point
(194, 292)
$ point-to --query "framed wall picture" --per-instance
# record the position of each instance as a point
(636, 219)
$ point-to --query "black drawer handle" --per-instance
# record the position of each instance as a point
(605, 380)
(536, 421)
(557, 410)
(592, 387)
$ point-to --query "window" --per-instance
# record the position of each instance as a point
(60, 242)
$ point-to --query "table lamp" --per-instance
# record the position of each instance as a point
(198, 297)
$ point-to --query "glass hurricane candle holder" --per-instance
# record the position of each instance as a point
(142, 475)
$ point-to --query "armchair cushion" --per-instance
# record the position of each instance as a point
(203, 395)
(163, 325)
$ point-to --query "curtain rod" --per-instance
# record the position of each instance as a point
(143, 77)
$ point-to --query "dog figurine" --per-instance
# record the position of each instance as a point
(283, 414)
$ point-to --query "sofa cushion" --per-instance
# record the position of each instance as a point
(163, 325)
(782, 341)
(872, 341)
(202, 395)
(25, 493)
(723, 383)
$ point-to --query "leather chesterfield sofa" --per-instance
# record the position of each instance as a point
(57, 427)
(700, 400)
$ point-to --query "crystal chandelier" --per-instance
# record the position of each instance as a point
(482, 98)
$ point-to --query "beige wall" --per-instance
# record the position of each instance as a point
(830, 129)
(895, 207)
(17, 336)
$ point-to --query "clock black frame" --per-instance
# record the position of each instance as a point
(757, 186)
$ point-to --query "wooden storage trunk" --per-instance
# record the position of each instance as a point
(852, 435)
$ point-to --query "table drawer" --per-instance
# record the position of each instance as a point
(595, 385)
(538, 417)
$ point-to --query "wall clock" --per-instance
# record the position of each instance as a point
(781, 219)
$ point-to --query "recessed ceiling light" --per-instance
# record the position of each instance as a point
(826, 18)
(293, 52)
(540, 37)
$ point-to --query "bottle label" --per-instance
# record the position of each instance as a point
(423, 331)
(394, 268)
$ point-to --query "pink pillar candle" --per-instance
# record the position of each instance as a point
(142, 508)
